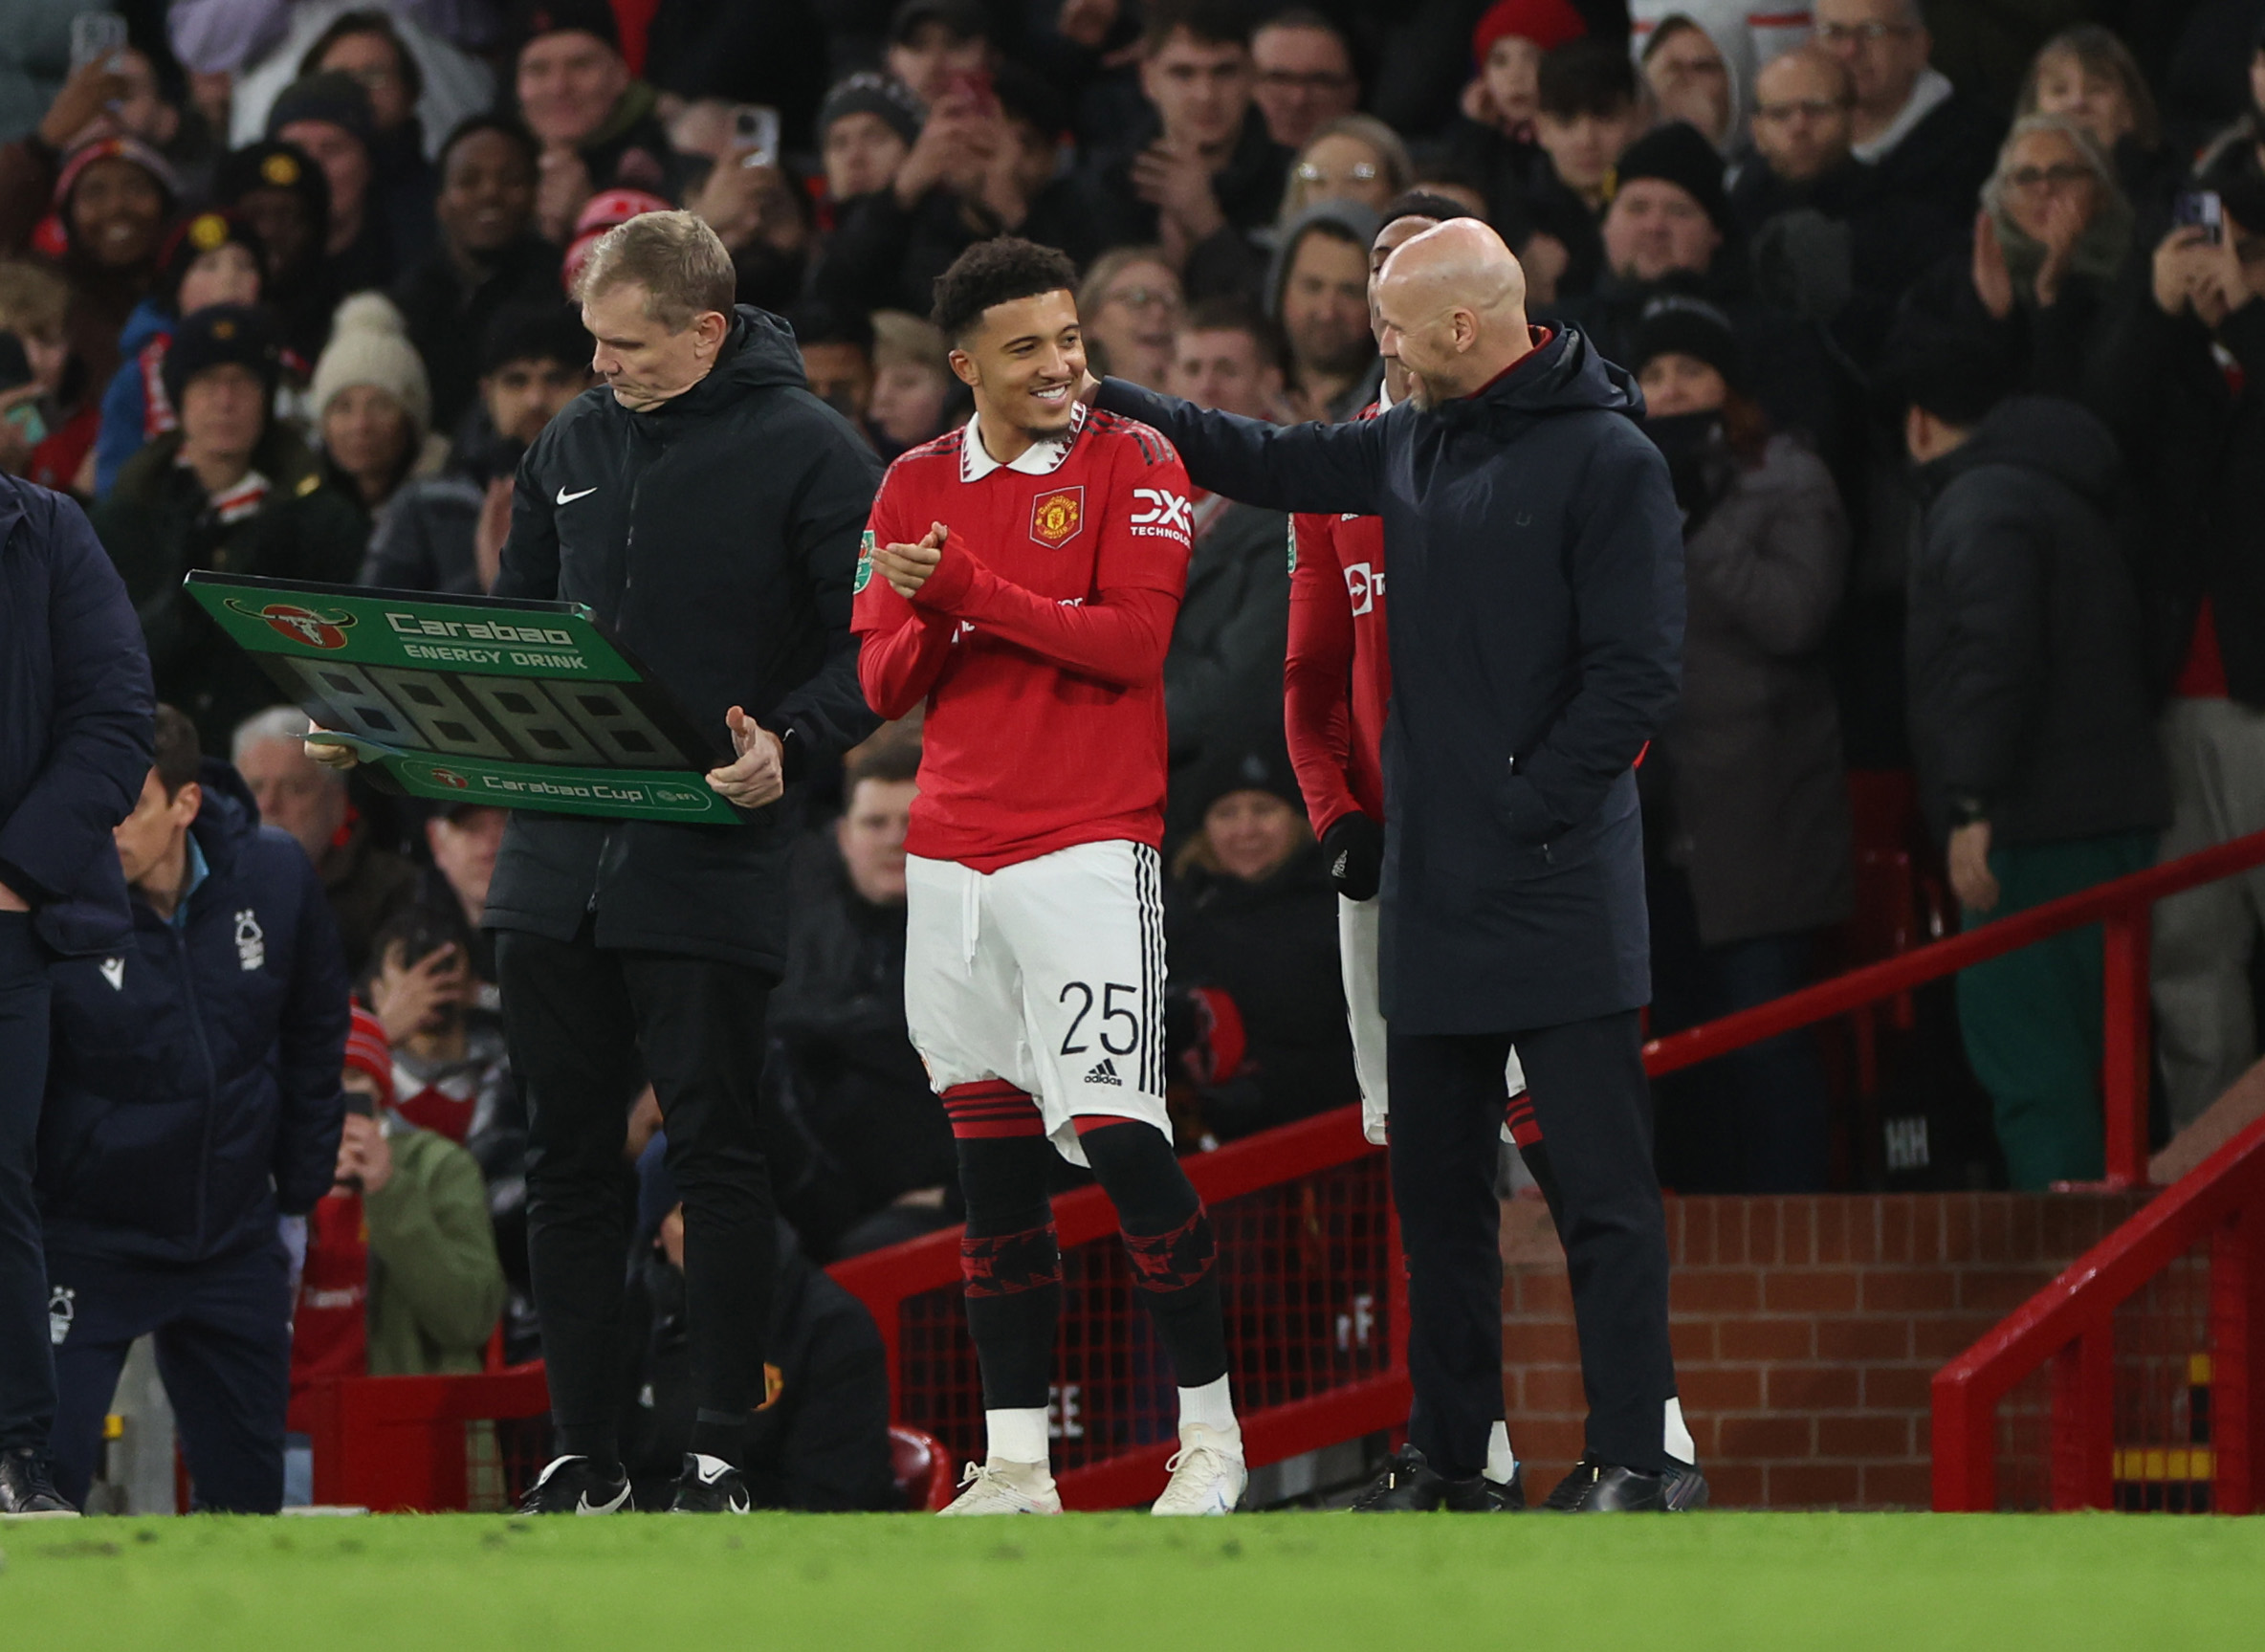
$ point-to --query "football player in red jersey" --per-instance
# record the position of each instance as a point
(1336, 683)
(1021, 576)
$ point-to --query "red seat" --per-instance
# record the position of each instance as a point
(922, 1469)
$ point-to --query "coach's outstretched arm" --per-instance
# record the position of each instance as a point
(1335, 468)
(1626, 564)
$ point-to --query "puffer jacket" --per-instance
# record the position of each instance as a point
(192, 1092)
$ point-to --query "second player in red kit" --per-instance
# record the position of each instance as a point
(1021, 576)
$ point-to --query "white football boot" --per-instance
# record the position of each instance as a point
(1005, 1488)
(1207, 1473)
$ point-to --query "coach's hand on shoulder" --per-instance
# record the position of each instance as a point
(1088, 389)
(760, 774)
(1354, 847)
(907, 567)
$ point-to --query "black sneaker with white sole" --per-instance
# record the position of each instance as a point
(710, 1485)
(1594, 1487)
(576, 1486)
(25, 1493)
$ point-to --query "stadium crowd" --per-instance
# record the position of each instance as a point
(1946, 318)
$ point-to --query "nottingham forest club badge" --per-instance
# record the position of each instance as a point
(1057, 517)
(864, 565)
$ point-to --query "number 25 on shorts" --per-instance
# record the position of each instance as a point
(1117, 1003)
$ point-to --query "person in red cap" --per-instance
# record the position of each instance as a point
(1506, 50)
(1494, 142)
(401, 1275)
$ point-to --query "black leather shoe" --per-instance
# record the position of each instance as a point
(710, 1485)
(1480, 1495)
(574, 1486)
(1594, 1487)
(1406, 1484)
(25, 1493)
(1409, 1485)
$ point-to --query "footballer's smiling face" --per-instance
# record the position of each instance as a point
(1024, 359)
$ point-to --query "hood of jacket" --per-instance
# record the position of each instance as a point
(229, 818)
(2054, 437)
(1563, 375)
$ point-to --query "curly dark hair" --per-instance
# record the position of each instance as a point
(997, 271)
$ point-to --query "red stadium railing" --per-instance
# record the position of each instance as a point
(1309, 1269)
(2184, 1370)
(1316, 1305)
(2121, 910)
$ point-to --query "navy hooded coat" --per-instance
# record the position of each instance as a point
(193, 1090)
(1534, 554)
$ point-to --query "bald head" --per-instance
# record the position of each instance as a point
(1451, 308)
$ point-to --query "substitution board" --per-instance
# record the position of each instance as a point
(522, 705)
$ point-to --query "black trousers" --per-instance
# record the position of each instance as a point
(26, 1372)
(1587, 1082)
(580, 1018)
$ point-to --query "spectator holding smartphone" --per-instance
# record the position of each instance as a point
(2182, 380)
(401, 1276)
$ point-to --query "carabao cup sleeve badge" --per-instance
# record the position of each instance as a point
(865, 564)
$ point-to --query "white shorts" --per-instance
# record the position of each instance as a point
(1047, 974)
(1359, 923)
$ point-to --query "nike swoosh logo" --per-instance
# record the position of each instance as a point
(567, 498)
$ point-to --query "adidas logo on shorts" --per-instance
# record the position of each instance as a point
(1104, 1072)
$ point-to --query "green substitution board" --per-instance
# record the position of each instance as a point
(469, 700)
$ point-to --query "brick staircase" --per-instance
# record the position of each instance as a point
(1807, 1329)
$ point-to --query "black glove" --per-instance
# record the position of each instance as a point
(1354, 847)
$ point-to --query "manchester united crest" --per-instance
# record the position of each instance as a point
(1059, 516)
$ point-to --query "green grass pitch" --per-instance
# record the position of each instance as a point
(1094, 1582)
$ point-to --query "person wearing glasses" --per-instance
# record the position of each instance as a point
(1920, 138)
(1306, 77)
(2049, 239)
(1353, 158)
(1132, 303)
(1830, 242)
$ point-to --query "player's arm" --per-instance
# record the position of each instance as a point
(1317, 674)
(903, 650)
(1121, 632)
(1334, 467)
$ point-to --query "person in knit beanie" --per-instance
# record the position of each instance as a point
(371, 404)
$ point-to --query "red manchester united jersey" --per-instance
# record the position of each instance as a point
(1337, 676)
(1039, 640)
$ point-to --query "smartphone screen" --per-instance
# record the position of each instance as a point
(2203, 207)
(755, 129)
(95, 36)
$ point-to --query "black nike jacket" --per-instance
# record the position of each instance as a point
(717, 534)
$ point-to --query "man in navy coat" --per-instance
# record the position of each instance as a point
(75, 702)
(192, 1097)
(1535, 555)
